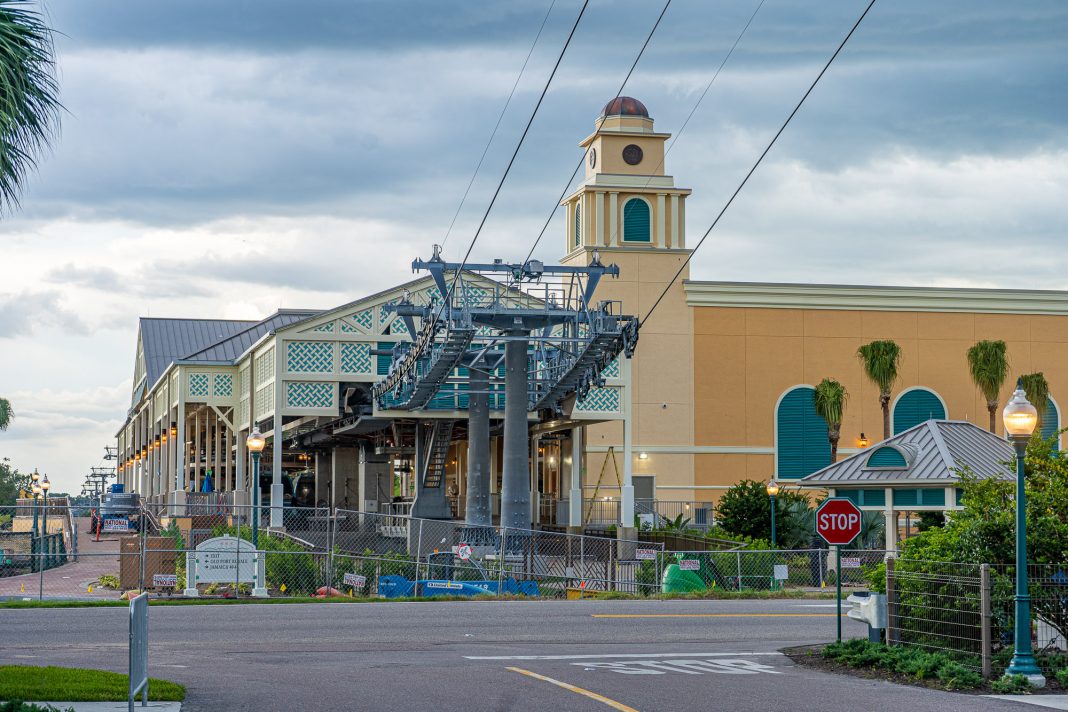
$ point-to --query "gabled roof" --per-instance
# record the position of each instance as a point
(933, 450)
(167, 340)
(230, 348)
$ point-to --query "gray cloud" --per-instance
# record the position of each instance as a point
(26, 312)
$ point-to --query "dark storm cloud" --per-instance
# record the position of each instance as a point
(194, 111)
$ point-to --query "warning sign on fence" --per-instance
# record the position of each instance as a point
(355, 580)
(165, 580)
(690, 565)
(645, 554)
(850, 562)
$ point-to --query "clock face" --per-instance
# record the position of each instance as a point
(632, 154)
(593, 158)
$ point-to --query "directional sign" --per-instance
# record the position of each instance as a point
(463, 552)
(838, 521)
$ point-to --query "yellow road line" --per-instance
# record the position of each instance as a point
(712, 615)
(577, 690)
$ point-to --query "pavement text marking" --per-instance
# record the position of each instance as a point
(602, 656)
(681, 666)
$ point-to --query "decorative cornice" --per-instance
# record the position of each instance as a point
(768, 295)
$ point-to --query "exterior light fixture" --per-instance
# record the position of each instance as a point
(163, 438)
(1019, 416)
(863, 441)
(45, 484)
(773, 489)
(255, 441)
(174, 431)
(34, 477)
(643, 456)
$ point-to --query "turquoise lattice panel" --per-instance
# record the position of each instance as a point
(385, 314)
(356, 358)
(327, 328)
(612, 370)
(198, 385)
(310, 357)
(600, 400)
(224, 385)
(398, 327)
(309, 394)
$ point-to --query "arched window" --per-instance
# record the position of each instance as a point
(578, 224)
(801, 444)
(636, 223)
(888, 457)
(1051, 420)
(914, 406)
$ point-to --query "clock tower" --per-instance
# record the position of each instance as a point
(629, 212)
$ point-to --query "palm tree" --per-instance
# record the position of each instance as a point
(1037, 389)
(7, 413)
(989, 367)
(880, 359)
(29, 105)
(830, 404)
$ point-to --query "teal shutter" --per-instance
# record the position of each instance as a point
(886, 457)
(933, 497)
(906, 497)
(801, 444)
(578, 224)
(874, 498)
(1051, 420)
(916, 406)
(636, 221)
(383, 361)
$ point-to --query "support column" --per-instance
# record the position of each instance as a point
(890, 520)
(477, 511)
(626, 505)
(276, 468)
(661, 221)
(430, 502)
(574, 495)
(240, 484)
(375, 479)
(535, 479)
(180, 452)
(515, 494)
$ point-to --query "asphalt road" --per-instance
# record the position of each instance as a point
(478, 656)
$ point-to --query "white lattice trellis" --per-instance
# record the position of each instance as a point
(601, 400)
(310, 356)
(356, 358)
(309, 394)
(199, 385)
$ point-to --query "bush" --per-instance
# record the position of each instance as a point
(1062, 677)
(914, 662)
(1011, 685)
(744, 510)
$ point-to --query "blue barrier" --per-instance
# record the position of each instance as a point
(393, 586)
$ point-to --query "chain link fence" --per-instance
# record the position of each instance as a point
(767, 570)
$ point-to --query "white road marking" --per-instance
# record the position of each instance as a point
(1055, 702)
(684, 667)
(616, 655)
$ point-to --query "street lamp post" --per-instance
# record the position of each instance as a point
(773, 489)
(45, 486)
(1020, 419)
(34, 489)
(255, 443)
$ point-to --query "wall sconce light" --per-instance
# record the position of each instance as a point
(643, 456)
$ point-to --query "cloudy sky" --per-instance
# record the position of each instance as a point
(222, 159)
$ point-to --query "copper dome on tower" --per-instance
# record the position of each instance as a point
(625, 106)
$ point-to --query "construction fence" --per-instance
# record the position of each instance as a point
(968, 610)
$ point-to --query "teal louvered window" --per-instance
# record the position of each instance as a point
(801, 444)
(887, 456)
(1051, 421)
(863, 497)
(920, 497)
(915, 407)
(636, 222)
(578, 224)
(383, 361)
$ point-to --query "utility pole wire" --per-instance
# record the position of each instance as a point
(456, 278)
(758, 161)
(567, 186)
(493, 134)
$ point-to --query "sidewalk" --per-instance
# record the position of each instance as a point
(112, 706)
(95, 558)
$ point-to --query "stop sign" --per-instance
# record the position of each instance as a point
(838, 521)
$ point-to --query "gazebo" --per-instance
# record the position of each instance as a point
(917, 470)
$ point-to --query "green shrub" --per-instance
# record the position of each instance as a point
(108, 580)
(958, 677)
(1062, 677)
(1011, 685)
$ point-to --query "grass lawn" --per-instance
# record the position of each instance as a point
(26, 682)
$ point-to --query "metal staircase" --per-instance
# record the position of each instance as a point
(437, 453)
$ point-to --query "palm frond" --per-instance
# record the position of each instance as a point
(1036, 387)
(830, 401)
(880, 359)
(989, 367)
(29, 95)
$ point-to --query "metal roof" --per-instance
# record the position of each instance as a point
(167, 340)
(934, 450)
(231, 348)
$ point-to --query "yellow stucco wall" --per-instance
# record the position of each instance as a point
(746, 358)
